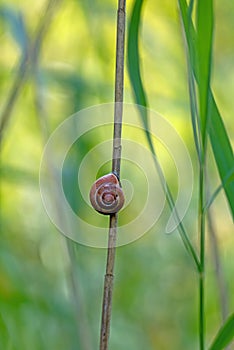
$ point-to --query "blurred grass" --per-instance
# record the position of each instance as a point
(154, 293)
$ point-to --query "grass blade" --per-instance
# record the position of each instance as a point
(204, 52)
(224, 336)
(190, 55)
(134, 66)
(220, 142)
(223, 152)
(133, 56)
(141, 100)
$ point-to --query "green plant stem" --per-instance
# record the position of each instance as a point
(201, 311)
(116, 159)
(200, 138)
(202, 258)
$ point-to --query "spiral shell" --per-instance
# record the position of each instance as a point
(106, 195)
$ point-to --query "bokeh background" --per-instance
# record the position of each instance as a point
(51, 287)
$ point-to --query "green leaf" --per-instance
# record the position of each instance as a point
(203, 56)
(134, 60)
(134, 67)
(222, 152)
(225, 335)
(191, 61)
(141, 100)
(220, 142)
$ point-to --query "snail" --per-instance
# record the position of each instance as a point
(106, 195)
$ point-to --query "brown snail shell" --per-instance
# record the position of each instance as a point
(106, 195)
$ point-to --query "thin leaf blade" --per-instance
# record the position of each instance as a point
(223, 152)
(219, 139)
(141, 100)
(225, 335)
(134, 60)
(204, 54)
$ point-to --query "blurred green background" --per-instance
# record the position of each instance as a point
(50, 287)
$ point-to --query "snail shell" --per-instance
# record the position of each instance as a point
(106, 195)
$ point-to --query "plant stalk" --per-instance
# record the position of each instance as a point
(116, 160)
(202, 258)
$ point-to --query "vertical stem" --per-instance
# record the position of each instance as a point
(116, 159)
(202, 260)
(119, 82)
(108, 284)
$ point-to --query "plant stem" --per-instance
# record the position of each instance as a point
(202, 258)
(108, 284)
(116, 159)
(201, 310)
